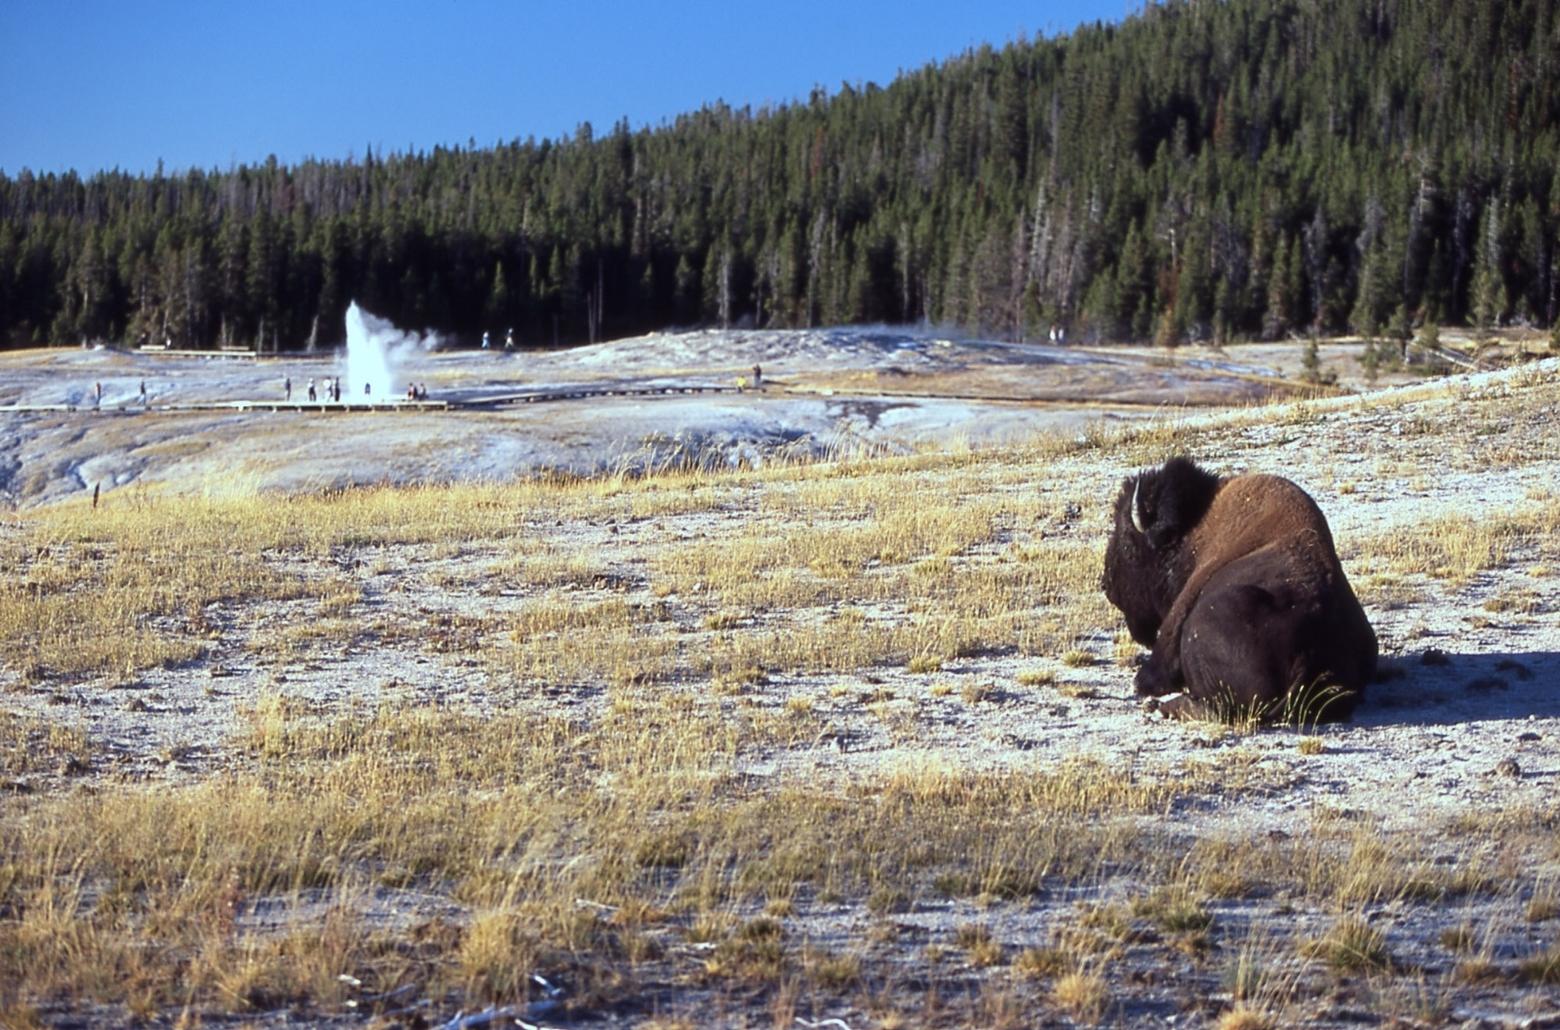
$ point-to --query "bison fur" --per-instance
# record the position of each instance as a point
(1235, 586)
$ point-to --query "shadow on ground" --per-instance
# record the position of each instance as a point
(1435, 688)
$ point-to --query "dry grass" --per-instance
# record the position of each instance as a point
(1082, 995)
(603, 824)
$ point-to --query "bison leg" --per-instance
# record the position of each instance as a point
(1180, 707)
(1240, 648)
(1154, 679)
(1161, 673)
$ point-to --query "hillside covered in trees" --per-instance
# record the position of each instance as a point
(1250, 168)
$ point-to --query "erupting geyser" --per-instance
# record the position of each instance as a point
(368, 356)
(376, 350)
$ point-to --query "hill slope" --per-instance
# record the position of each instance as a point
(1250, 167)
(848, 741)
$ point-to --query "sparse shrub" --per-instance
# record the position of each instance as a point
(1312, 745)
(1543, 968)
(923, 663)
(1036, 678)
(1082, 995)
(799, 706)
(978, 944)
(832, 970)
(663, 850)
(1124, 649)
(780, 908)
(1352, 946)
(1543, 907)
(975, 692)
(1478, 970)
(763, 928)
(1174, 910)
(709, 927)
(1370, 361)
(1038, 963)
(1077, 658)
(1244, 1017)
(738, 680)
(887, 901)
(1113, 920)
(1311, 362)
(1457, 939)
(495, 956)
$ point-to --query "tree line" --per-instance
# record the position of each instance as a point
(1202, 170)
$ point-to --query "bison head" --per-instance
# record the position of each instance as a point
(1154, 511)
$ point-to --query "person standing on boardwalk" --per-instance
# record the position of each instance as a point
(287, 387)
(311, 391)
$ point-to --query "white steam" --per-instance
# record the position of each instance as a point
(375, 349)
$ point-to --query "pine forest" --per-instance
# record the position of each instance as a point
(1201, 171)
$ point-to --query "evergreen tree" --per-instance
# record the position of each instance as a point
(1250, 167)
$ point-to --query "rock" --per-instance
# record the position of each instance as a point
(1508, 767)
(1528, 737)
(1434, 656)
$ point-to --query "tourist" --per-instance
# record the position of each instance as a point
(287, 387)
(311, 391)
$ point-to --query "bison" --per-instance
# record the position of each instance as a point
(1234, 584)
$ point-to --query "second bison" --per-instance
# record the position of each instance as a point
(1236, 587)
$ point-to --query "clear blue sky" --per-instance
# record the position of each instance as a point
(97, 84)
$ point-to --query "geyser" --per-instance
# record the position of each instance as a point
(375, 350)
(368, 356)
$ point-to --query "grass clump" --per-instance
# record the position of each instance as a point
(1082, 995)
(1543, 968)
(1175, 910)
(1352, 945)
(979, 945)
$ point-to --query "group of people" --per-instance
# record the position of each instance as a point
(97, 394)
(331, 387)
(330, 390)
(756, 383)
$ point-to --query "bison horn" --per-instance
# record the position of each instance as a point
(1137, 519)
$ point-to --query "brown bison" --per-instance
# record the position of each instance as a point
(1235, 585)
